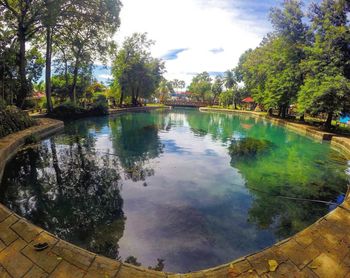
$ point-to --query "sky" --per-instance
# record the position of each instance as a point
(193, 36)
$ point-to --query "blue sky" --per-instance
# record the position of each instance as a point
(193, 36)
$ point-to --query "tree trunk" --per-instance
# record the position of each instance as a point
(328, 123)
(133, 102)
(48, 69)
(302, 118)
(22, 66)
(284, 111)
(73, 94)
(121, 97)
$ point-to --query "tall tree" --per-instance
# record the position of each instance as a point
(136, 73)
(200, 86)
(217, 88)
(327, 87)
(284, 76)
(24, 17)
(229, 79)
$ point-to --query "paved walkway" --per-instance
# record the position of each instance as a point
(322, 250)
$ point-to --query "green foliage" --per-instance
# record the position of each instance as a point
(99, 108)
(217, 88)
(132, 260)
(226, 97)
(29, 104)
(70, 110)
(299, 64)
(13, 119)
(76, 33)
(326, 87)
(200, 87)
(136, 73)
(32, 139)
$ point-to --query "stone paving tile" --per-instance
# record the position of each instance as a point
(103, 267)
(6, 234)
(326, 265)
(13, 261)
(248, 274)
(4, 273)
(308, 236)
(36, 272)
(45, 259)
(240, 266)
(221, 271)
(260, 261)
(73, 254)
(297, 254)
(67, 270)
(2, 246)
(26, 230)
(4, 213)
(127, 271)
(283, 270)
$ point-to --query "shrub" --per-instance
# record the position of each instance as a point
(13, 119)
(99, 109)
(32, 139)
(29, 104)
(69, 110)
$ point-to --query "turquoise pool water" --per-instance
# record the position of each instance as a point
(193, 189)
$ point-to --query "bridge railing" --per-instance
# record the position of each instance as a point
(186, 103)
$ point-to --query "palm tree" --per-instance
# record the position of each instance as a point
(230, 82)
(229, 79)
(163, 90)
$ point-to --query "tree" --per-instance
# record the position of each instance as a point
(327, 87)
(226, 98)
(284, 76)
(136, 73)
(216, 88)
(200, 86)
(88, 35)
(272, 71)
(23, 17)
(163, 90)
(178, 84)
(229, 79)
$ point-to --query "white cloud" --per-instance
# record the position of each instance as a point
(197, 25)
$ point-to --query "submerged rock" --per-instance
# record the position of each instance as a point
(249, 147)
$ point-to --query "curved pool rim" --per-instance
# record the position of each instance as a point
(307, 253)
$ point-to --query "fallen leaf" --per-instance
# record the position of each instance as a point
(273, 265)
(59, 259)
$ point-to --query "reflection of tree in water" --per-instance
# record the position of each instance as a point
(136, 141)
(69, 190)
(220, 126)
(274, 184)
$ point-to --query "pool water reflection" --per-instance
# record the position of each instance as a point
(165, 185)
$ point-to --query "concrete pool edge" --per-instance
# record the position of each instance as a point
(321, 250)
